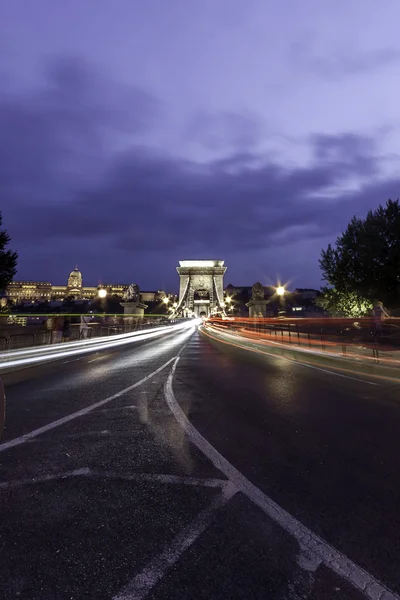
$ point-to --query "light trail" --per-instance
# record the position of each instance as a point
(68, 349)
(324, 343)
(78, 343)
(239, 341)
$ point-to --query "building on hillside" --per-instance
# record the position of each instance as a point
(24, 292)
(28, 291)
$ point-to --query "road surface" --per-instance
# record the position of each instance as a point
(184, 468)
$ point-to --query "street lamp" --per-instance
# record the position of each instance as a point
(280, 290)
(166, 300)
(102, 293)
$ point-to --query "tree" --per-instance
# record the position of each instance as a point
(365, 264)
(8, 260)
(343, 304)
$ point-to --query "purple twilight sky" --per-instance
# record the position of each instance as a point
(135, 133)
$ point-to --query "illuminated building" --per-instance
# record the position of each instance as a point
(29, 291)
(22, 292)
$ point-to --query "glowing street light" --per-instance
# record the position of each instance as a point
(228, 299)
(280, 290)
(102, 293)
(166, 300)
(175, 305)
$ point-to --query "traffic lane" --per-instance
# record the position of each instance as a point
(325, 448)
(246, 555)
(92, 539)
(132, 433)
(42, 394)
(85, 515)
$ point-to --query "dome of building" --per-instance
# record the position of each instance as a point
(76, 273)
(75, 279)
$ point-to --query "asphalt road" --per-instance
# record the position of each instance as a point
(233, 476)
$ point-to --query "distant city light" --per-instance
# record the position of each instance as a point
(102, 293)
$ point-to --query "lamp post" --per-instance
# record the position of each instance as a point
(280, 290)
(102, 294)
(229, 304)
(167, 306)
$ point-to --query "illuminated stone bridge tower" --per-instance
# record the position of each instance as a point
(201, 290)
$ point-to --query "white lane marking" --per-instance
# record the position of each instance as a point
(162, 478)
(293, 360)
(84, 411)
(43, 478)
(128, 408)
(309, 542)
(139, 477)
(72, 436)
(141, 585)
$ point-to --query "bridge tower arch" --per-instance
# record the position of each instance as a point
(201, 287)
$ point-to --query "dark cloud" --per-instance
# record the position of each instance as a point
(70, 194)
(354, 154)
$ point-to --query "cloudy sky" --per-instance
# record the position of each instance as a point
(136, 133)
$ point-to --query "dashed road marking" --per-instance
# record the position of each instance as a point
(43, 479)
(163, 478)
(311, 544)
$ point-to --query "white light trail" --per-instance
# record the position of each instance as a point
(30, 356)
